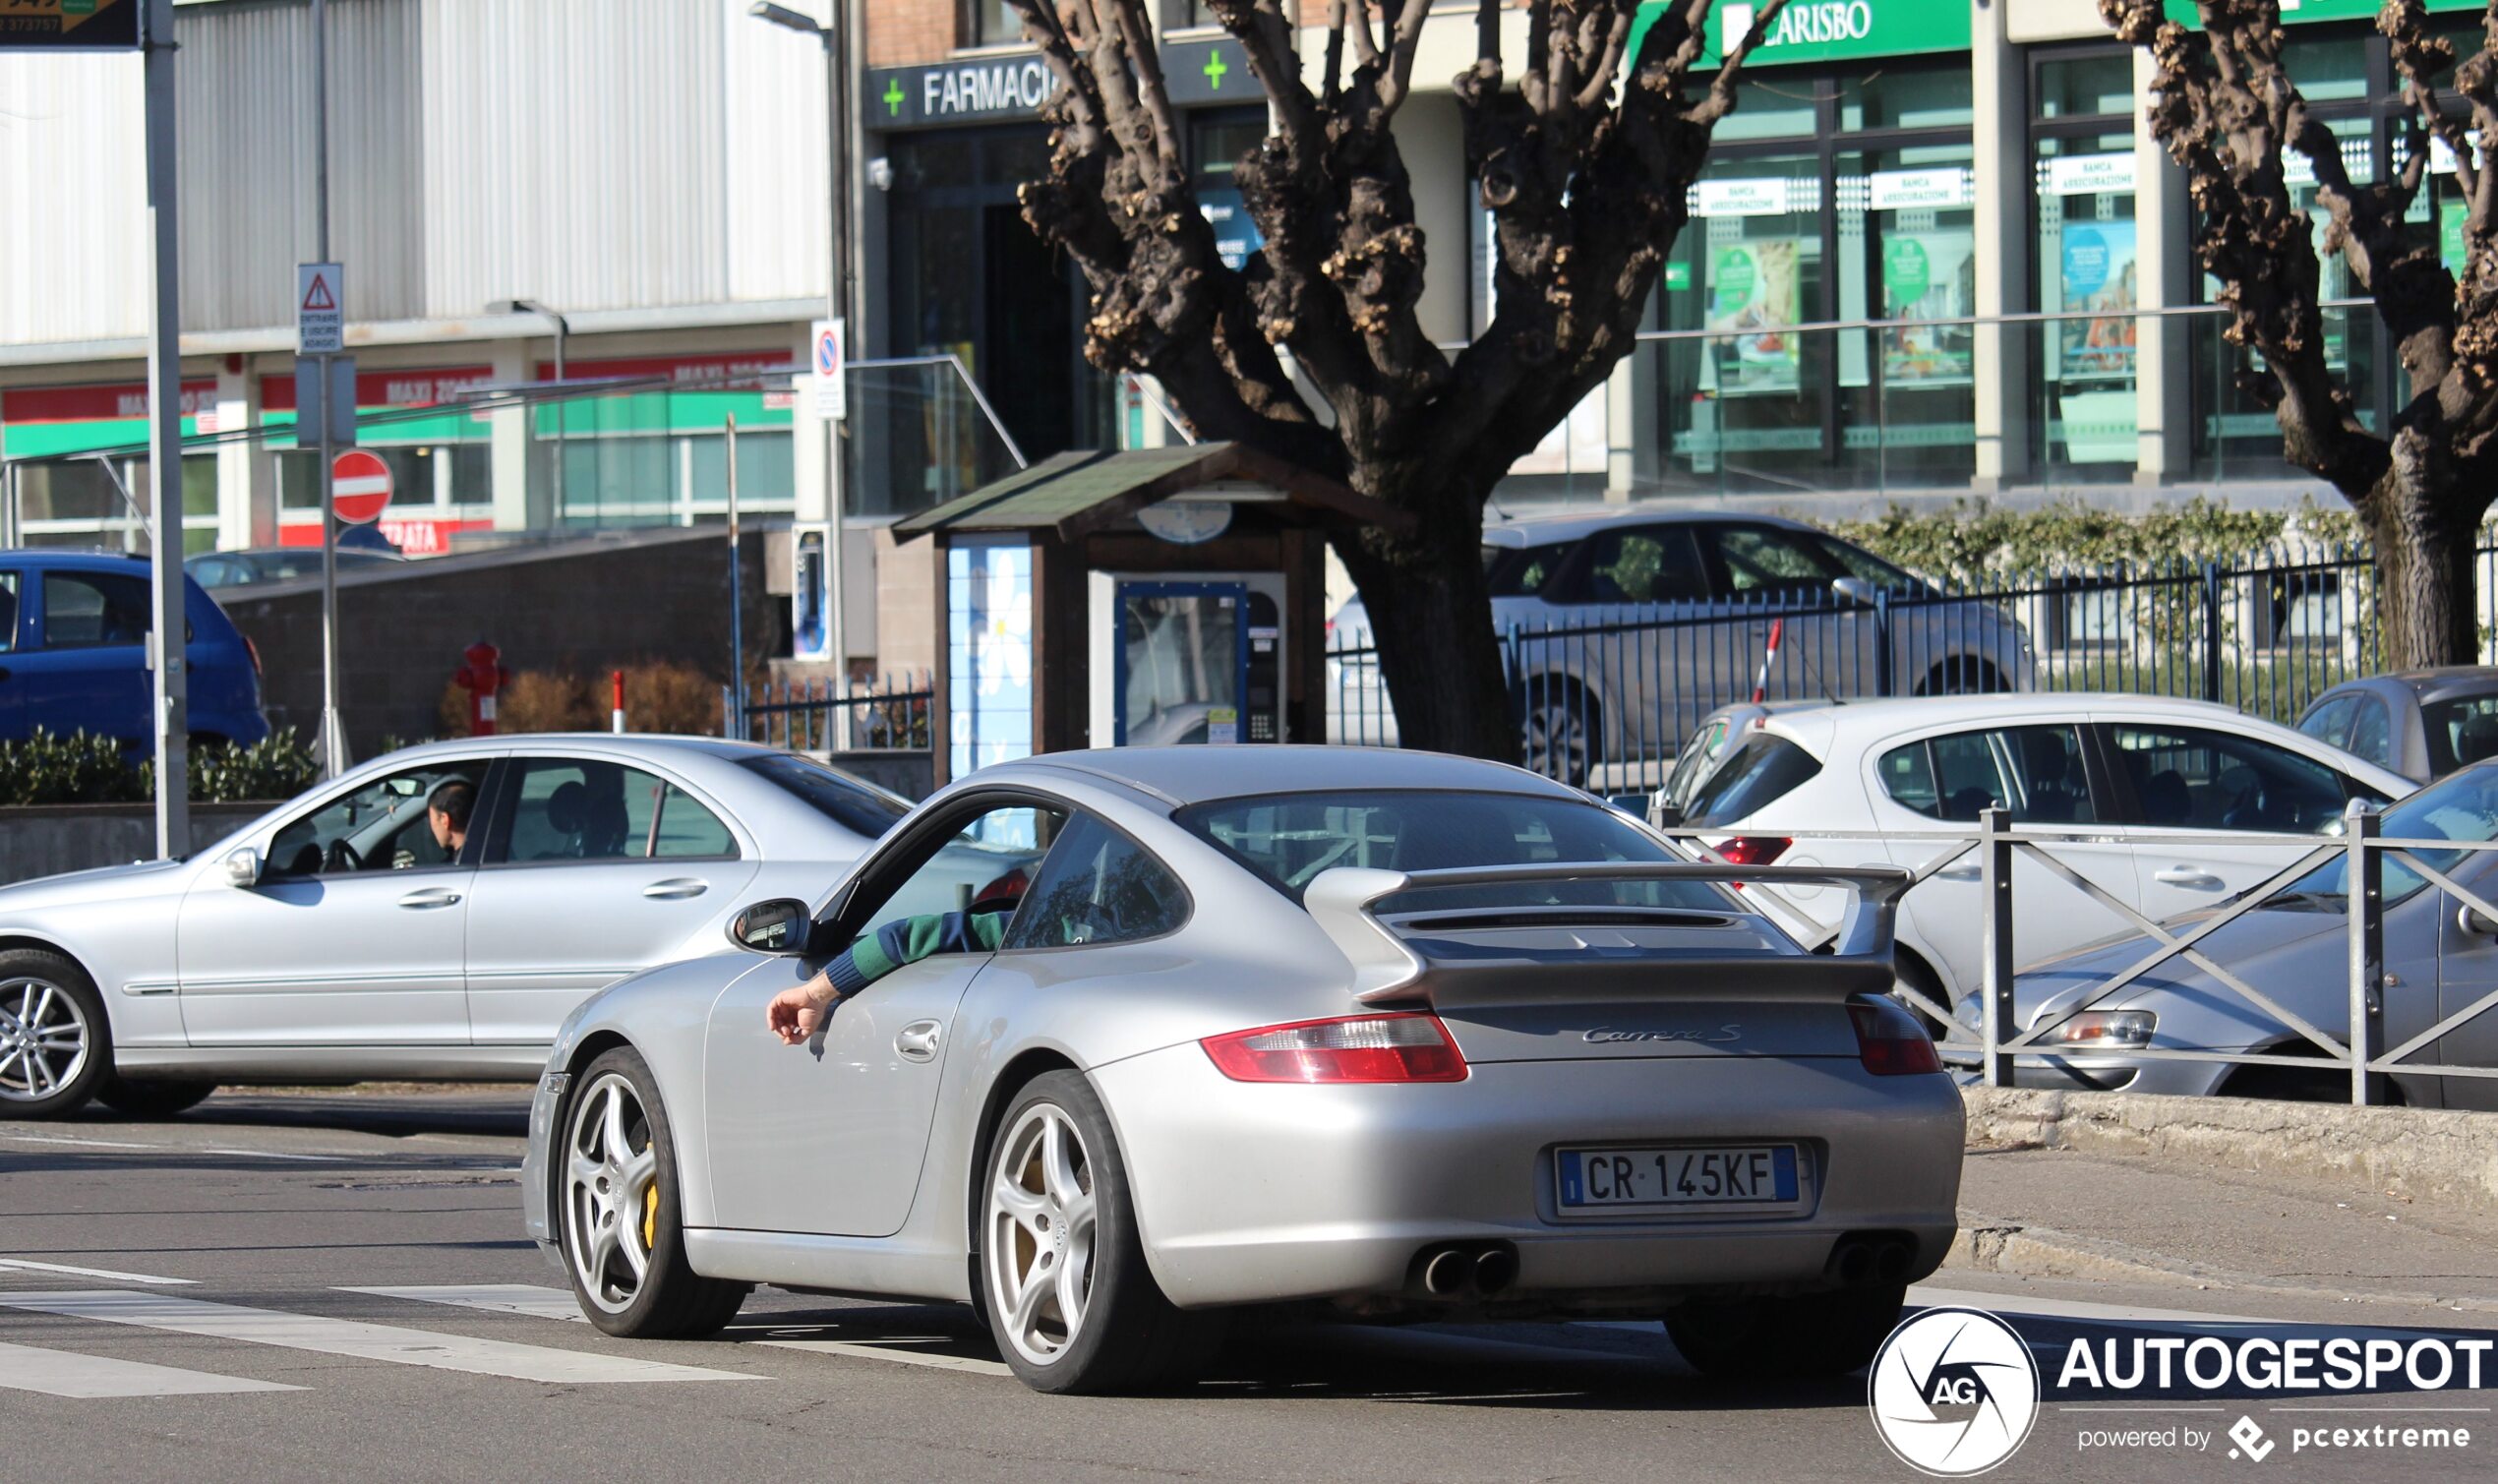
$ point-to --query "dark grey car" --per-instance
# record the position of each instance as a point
(2423, 723)
(2438, 960)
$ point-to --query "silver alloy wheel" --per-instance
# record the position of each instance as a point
(44, 1040)
(1557, 742)
(611, 1193)
(1042, 1226)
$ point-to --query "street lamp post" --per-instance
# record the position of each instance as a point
(833, 36)
(562, 328)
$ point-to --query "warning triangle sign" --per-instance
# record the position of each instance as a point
(318, 296)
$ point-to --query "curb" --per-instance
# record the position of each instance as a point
(2448, 1160)
(1987, 1245)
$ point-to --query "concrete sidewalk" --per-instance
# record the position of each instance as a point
(2059, 1213)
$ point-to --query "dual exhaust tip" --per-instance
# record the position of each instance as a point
(1468, 1270)
(1868, 1260)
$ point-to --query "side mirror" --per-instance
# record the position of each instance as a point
(243, 867)
(2474, 923)
(1855, 589)
(778, 927)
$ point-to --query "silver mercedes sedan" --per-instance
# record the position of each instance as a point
(433, 914)
(1372, 1033)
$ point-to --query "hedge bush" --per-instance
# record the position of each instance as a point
(659, 697)
(84, 768)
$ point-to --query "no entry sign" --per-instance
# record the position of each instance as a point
(359, 487)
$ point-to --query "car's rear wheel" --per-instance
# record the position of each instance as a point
(151, 1098)
(1561, 729)
(1062, 1269)
(624, 1234)
(1784, 1338)
(56, 1046)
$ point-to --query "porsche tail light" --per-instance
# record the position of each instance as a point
(1404, 1046)
(1890, 1041)
(1753, 849)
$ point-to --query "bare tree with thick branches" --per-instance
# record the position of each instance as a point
(2228, 111)
(1585, 170)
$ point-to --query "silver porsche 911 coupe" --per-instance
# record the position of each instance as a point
(1381, 1034)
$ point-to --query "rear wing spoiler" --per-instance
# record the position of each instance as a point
(1386, 966)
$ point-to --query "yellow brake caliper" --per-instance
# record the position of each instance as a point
(650, 1213)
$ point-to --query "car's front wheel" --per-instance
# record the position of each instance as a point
(1062, 1271)
(151, 1098)
(55, 1045)
(624, 1238)
(1787, 1339)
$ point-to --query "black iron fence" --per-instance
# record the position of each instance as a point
(815, 716)
(1606, 695)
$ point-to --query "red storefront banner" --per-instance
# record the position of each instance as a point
(423, 387)
(85, 404)
(713, 371)
(415, 535)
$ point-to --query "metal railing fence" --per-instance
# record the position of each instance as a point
(2358, 1052)
(891, 713)
(1608, 699)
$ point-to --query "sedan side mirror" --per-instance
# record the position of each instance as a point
(2474, 923)
(778, 927)
(243, 868)
(1855, 589)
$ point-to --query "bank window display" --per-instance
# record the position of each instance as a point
(1866, 221)
(2087, 270)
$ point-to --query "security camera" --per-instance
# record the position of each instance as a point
(880, 173)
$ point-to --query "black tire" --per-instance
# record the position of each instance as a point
(2297, 1084)
(1127, 1335)
(43, 1075)
(1793, 1339)
(667, 1299)
(1962, 677)
(151, 1098)
(1909, 972)
(1561, 729)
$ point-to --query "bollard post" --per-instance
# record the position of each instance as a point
(617, 717)
(2365, 873)
(1994, 968)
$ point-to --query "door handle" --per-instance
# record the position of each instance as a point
(432, 896)
(2185, 875)
(677, 888)
(917, 1040)
(1957, 873)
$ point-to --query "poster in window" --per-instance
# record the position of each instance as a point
(1754, 290)
(1929, 274)
(2096, 290)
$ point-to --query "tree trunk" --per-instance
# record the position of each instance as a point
(1443, 679)
(2424, 559)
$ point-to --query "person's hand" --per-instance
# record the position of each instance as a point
(796, 1013)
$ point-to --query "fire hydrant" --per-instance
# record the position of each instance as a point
(481, 677)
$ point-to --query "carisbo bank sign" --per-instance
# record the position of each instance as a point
(1014, 86)
(1827, 30)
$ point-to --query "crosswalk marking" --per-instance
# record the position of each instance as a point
(29, 1265)
(66, 1373)
(357, 1339)
(559, 1303)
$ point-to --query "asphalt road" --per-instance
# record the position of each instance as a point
(333, 1286)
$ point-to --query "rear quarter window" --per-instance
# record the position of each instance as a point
(1765, 769)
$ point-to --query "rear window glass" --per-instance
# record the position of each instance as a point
(1763, 769)
(854, 805)
(2460, 731)
(1289, 839)
(1520, 572)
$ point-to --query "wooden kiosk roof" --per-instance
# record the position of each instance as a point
(1075, 493)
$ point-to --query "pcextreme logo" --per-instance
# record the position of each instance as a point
(1953, 1391)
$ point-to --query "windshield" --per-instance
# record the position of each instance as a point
(853, 804)
(1287, 839)
(2462, 807)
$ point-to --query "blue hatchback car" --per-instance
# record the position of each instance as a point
(74, 652)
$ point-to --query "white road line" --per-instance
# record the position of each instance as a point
(270, 1154)
(65, 1373)
(32, 1265)
(497, 1298)
(886, 1352)
(81, 1143)
(559, 1303)
(356, 1338)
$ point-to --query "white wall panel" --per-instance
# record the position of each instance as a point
(773, 137)
(73, 201)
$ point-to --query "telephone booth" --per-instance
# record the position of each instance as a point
(1153, 597)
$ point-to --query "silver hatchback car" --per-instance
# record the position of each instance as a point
(1378, 1034)
(1626, 629)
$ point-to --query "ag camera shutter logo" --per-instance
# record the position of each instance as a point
(1953, 1391)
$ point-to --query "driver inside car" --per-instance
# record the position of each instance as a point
(446, 812)
(796, 1013)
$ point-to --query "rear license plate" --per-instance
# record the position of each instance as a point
(1609, 1179)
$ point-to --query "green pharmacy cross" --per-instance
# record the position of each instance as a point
(1214, 70)
(893, 97)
